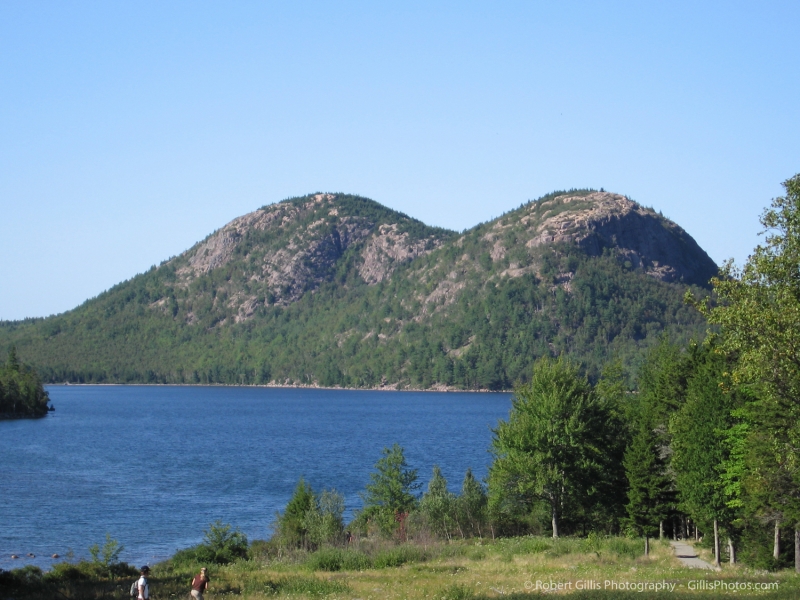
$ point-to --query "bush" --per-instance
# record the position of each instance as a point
(310, 586)
(262, 550)
(108, 554)
(221, 545)
(457, 592)
(86, 570)
(338, 559)
(624, 547)
(28, 576)
(398, 556)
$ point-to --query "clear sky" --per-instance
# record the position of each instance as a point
(131, 130)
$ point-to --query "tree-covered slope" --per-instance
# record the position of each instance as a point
(339, 290)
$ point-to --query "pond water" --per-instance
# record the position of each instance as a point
(153, 466)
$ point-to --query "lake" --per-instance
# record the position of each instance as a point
(154, 465)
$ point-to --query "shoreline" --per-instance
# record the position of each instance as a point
(393, 388)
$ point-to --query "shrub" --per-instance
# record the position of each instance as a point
(457, 592)
(224, 545)
(397, 556)
(221, 545)
(108, 554)
(310, 586)
(290, 527)
(338, 559)
(28, 576)
(624, 547)
(323, 520)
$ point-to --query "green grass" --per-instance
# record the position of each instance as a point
(460, 570)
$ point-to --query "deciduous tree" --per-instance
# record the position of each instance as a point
(550, 448)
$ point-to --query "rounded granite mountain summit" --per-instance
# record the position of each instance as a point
(292, 247)
(601, 220)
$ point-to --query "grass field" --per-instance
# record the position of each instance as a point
(529, 567)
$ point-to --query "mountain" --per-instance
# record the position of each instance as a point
(337, 290)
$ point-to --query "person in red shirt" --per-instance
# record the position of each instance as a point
(200, 584)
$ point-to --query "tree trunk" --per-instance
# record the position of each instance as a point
(731, 552)
(661, 530)
(696, 533)
(797, 548)
(776, 547)
(716, 544)
(646, 546)
(555, 521)
(685, 528)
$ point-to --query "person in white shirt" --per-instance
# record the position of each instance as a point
(143, 585)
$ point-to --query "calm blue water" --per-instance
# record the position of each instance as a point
(153, 466)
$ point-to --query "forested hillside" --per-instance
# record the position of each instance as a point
(338, 290)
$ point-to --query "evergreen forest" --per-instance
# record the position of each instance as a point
(21, 391)
(372, 298)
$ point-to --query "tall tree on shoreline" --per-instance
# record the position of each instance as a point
(550, 448)
(21, 391)
(390, 494)
(758, 313)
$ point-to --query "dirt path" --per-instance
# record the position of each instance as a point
(688, 556)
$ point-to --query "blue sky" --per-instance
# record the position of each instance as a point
(131, 130)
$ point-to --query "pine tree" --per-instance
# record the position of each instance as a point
(472, 506)
(647, 485)
(390, 494)
(438, 505)
(291, 524)
(699, 452)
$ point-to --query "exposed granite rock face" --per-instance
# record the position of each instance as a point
(388, 248)
(291, 248)
(603, 220)
(277, 254)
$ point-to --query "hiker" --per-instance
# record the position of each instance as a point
(200, 584)
(143, 585)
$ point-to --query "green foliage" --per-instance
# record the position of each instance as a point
(338, 559)
(398, 556)
(456, 591)
(308, 520)
(648, 484)
(759, 307)
(472, 507)
(221, 545)
(21, 390)
(323, 521)
(550, 448)
(699, 451)
(225, 542)
(758, 314)
(390, 492)
(107, 556)
(299, 585)
(439, 505)
(662, 383)
(291, 525)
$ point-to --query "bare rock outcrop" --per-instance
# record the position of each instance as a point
(639, 235)
(387, 248)
(286, 250)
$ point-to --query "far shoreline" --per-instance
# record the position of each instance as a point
(443, 389)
